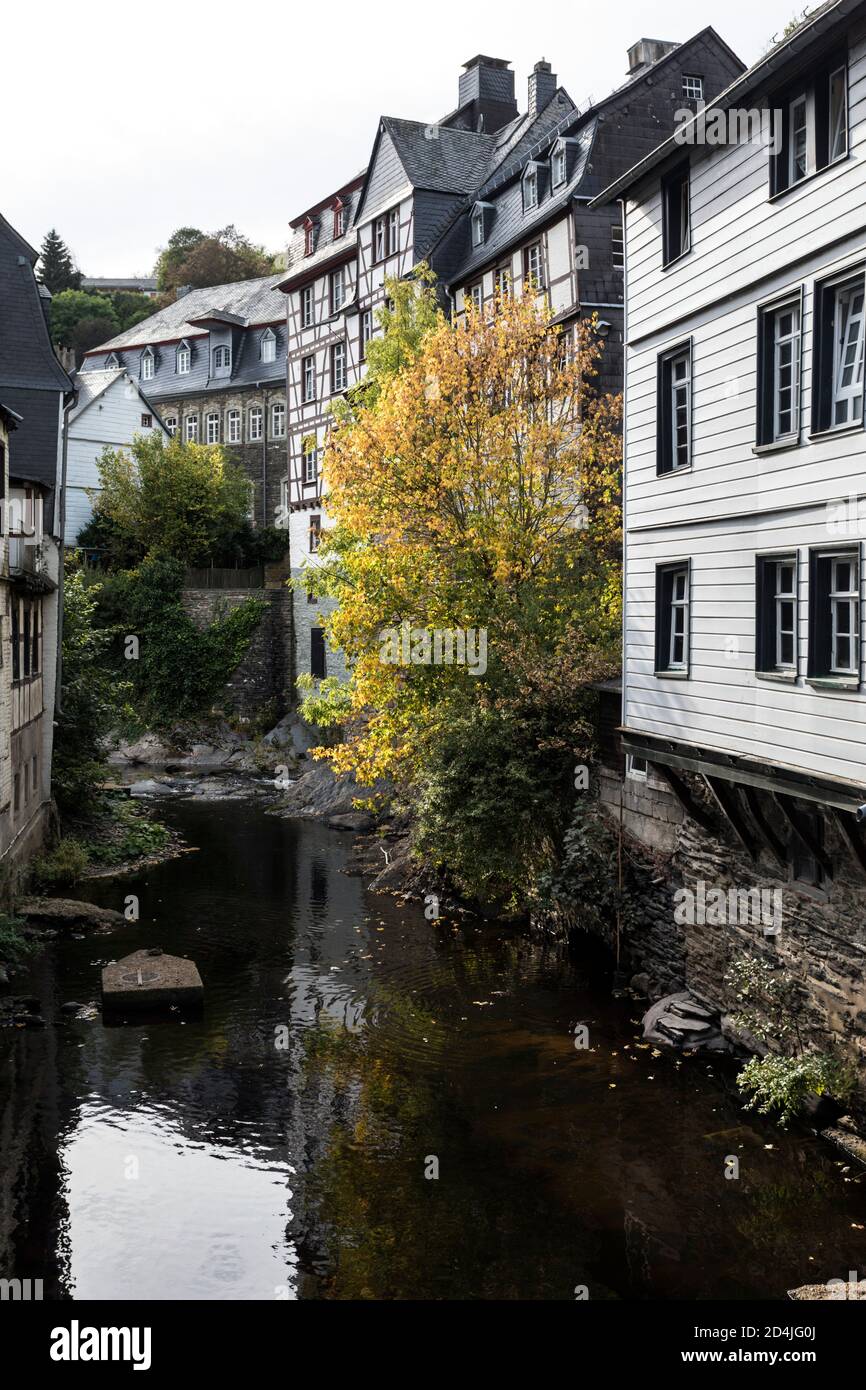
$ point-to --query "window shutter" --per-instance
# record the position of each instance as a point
(766, 385)
(664, 458)
(317, 652)
(765, 614)
(819, 614)
(663, 621)
(822, 371)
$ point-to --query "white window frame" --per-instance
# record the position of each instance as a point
(212, 427)
(535, 264)
(255, 424)
(530, 190)
(339, 380)
(848, 601)
(183, 360)
(681, 400)
(310, 463)
(679, 605)
(838, 128)
(233, 426)
(478, 227)
(849, 394)
(278, 420)
(338, 289)
(308, 378)
(502, 281)
(147, 365)
(637, 774)
(786, 343)
(308, 307)
(475, 294)
(806, 99)
(558, 166)
(365, 330)
(269, 346)
(693, 87)
(380, 242)
(222, 358)
(170, 423)
(393, 231)
(782, 596)
(190, 429)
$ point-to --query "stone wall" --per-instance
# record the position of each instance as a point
(263, 680)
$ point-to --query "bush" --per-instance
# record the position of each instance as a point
(13, 946)
(66, 863)
(782, 1084)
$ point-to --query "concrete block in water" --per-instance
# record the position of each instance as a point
(151, 980)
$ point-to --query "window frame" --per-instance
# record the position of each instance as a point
(666, 604)
(815, 91)
(147, 366)
(233, 418)
(534, 247)
(308, 378)
(769, 598)
(308, 302)
(338, 388)
(676, 185)
(255, 424)
(477, 226)
(212, 424)
(170, 422)
(823, 667)
(692, 77)
(337, 290)
(530, 180)
(825, 297)
(767, 415)
(666, 446)
(365, 331)
(268, 340)
(558, 162)
(278, 411)
(190, 429)
(221, 359)
(309, 455)
(183, 356)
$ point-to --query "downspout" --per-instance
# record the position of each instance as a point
(71, 398)
(624, 709)
(265, 399)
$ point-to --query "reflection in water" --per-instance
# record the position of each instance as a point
(278, 1146)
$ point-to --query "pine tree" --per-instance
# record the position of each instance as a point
(56, 267)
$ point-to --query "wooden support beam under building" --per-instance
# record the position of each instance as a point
(725, 794)
(775, 844)
(804, 834)
(687, 800)
(850, 832)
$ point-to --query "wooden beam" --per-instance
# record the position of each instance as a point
(774, 843)
(687, 800)
(726, 798)
(850, 832)
(803, 834)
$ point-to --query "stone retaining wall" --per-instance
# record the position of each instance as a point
(263, 680)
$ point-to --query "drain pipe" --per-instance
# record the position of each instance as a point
(69, 401)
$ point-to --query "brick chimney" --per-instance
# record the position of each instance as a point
(645, 52)
(542, 86)
(487, 88)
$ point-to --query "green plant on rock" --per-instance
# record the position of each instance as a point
(13, 945)
(65, 864)
(781, 1085)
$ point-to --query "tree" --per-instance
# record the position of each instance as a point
(130, 307)
(223, 257)
(166, 498)
(57, 270)
(72, 308)
(476, 490)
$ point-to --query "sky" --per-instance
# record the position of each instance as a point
(123, 122)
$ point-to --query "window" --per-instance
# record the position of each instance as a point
(779, 373)
(308, 378)
(16, 796)
(776, 614)
(268, 346)
(366, 330)
(557, 166)
(111, 361)
(309, 237)
(338, 367)
(834, 614)
(532, 264)
(254, 422)
(212, 428)
(478, 227)
(182, 360)
(311, 461)
(147, 365)
(530, 189)
(191, 428)
(315, 533)
(338, 219)
(814, 125)
(278, 420)
(338, 290)
(635, 767)
(617, 249)
(171, 424)
(475, 295)
(146, 420)
(837, 388)
(393, 231)
(674, 410)
(222, 359)
(308, 315)
(693, 87)
(502, 281)
(672, 619)
(318, 663)
(233, 427)
(379, 242)
(675, 215)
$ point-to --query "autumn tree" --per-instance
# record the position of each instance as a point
(169, 499)
(199, 259)
(478, 492)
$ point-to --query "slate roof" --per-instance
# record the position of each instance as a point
(107, 282)
(438, 158)
(325, 246)
(253, 301)
(27, 359)
(90, 385)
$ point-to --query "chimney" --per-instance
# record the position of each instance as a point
(487, 89)
(645, 52)
(542, 85)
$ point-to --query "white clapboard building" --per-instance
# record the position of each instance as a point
(744, 684)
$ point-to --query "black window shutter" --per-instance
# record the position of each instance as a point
(765, 378)
(822, 372)
(317, 652)
(664, 451)
(765, 616)
(819, 614)
(779, 162)
(661, 647)
(822, 118)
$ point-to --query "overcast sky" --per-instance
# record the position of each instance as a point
(125, 121)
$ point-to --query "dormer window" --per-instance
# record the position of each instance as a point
(147, 365)
(309, 236)
(339, 226)
(558, 165)
(111, 361)
(184, 357)
(222, 359)
(268, 346)
(530, 188)
(478, 226)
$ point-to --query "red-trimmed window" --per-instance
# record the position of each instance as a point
(309, 236)
(339, 224)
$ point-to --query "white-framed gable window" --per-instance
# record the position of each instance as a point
(147, 365)
(212, 428)
(268, 346)
(183, 359)
(233, 427)
(477, 226)
(558, 165)
(475, 296)
(111, 361)
(338, 289)
(693, 87)
(530, 188)
(190, 427)
(278, 420)
(254, 423)
(222, 358)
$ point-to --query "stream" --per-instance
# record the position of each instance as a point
(374, 1106)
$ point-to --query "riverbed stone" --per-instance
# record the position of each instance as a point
(151, 980)
(68, 913)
